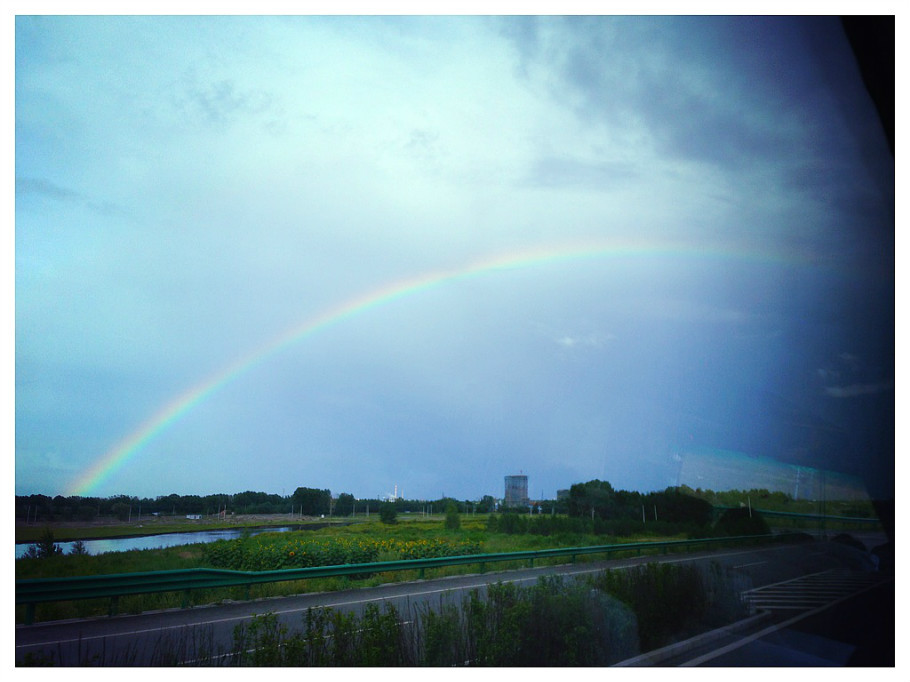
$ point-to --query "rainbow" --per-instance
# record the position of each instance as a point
(167, 415)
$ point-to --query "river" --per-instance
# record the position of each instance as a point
(153, 541)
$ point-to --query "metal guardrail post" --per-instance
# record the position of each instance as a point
(113, 605)
(30, 613)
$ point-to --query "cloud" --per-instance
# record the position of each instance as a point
(221, 101)
(562, 171)
(41, 188)
(850, 360)
(585, 341)
(854, 390)
(270, 169)
(678, 101)
(827, 374)
(45, 188)
(689, 310)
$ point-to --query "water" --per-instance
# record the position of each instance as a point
(152, 541)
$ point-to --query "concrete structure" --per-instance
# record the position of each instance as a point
(516, 491)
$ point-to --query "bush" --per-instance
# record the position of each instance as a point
(388, 513)
(45, 548)
(734, 522)
(268, 552)
(79, 549)
(453, 520)
(673, 601)
(550, 624)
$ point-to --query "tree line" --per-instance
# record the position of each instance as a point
(599, 500)
(593, 499)
(304, 501)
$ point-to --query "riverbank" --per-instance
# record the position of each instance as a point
(109, 529)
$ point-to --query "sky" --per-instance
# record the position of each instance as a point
(355, 253)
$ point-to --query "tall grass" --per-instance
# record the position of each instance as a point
(591, 622)
(674, 601)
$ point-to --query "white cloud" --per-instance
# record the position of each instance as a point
(585, 340)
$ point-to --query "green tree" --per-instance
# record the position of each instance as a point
(487, 505)
(344, 505)
(453, 519)
(45, 548)
(387, 512)
(742, 521)
(312, 502)
(79, 549)
(121, 510)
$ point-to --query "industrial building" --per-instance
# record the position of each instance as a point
(516, 491)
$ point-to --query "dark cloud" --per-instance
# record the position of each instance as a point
(46, 188)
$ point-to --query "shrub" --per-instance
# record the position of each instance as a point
(671, 601)
(45, 548)
(453, 519)
(742, 521)
(79, 548)
(388, 513)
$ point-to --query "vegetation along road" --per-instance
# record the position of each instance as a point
(226, 633)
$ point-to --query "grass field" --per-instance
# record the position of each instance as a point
(150, 525)
(329, 541)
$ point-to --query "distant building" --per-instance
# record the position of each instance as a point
(516, 491)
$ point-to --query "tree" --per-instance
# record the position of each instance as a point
(312, 502)
(87, 512)
(79, 549)
(45, 548)
(735, 522)
(344, 506)
(487, 504)
(453, 520)
(121, 510)
(594, 495)
(388, 513)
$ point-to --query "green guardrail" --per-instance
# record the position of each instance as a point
(37, 590)
(809, 517)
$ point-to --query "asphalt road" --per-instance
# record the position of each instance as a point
(140, 639)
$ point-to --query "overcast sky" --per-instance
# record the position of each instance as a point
(697, 215)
